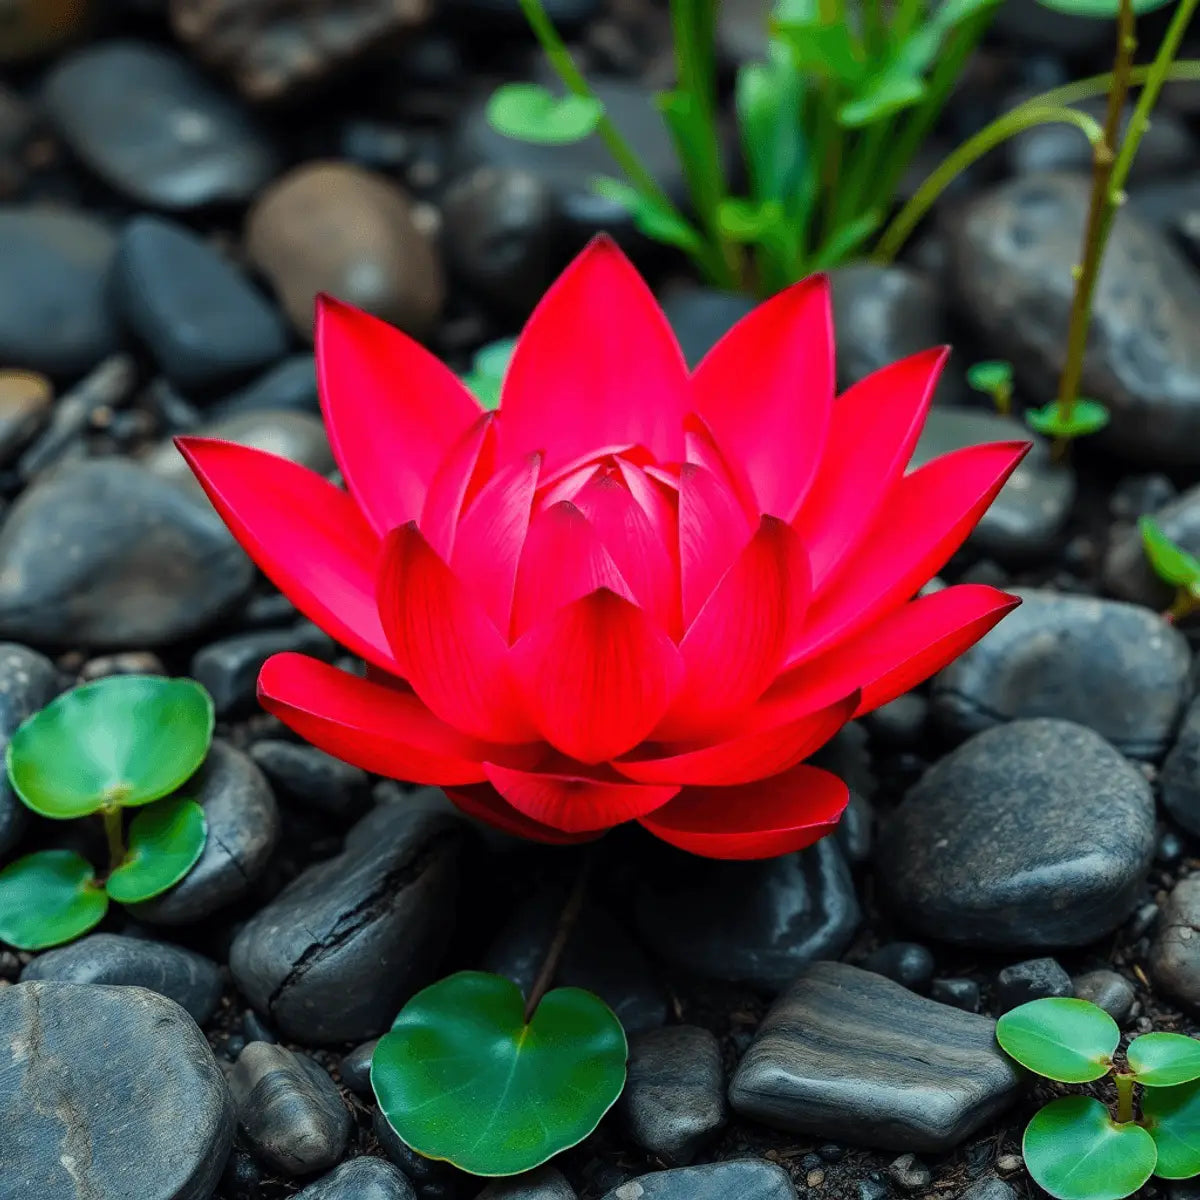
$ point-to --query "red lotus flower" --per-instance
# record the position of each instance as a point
(633, 593)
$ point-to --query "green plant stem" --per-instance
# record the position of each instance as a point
(973, 149)
(114, 832)
(623, 154)
(1102, 206)
(1124, 1098)
(562, 935)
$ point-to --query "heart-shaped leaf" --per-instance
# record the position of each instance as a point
(1172, 1118)
(126, 740)
(1171, 563)
(461, 1077)
(165, 841)
(532, 113)
(49, 898)
(1164, 1059)
(1075, 1151)
(1069, 1040)
(1085, 417)
(991, 377)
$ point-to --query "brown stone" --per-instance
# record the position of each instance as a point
(25, 401)
(336, 228)
(272, 47)
(29, 28)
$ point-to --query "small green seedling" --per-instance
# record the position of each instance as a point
(467, 1076)
(1077, 1148)
(532, 113)
(994, 378)
(1174, 566)
(1066, 422)
(488, 368)
(126, 742)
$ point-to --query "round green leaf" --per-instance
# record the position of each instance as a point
(49, 898)
(126, 740)
(1075, 1151)
(1171, 563)
(532, 113)
(1086, 416)
(462, 1078)
(1172, 1118)
(164, 842)
(991, 376)
(1069, 1040)
(1102, 9)
(1164, 1059)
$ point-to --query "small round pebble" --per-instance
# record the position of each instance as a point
(908, 963)
(1036, 979)
(355, 1068)
(960, 993)
(1112, 992)
(909, 1173)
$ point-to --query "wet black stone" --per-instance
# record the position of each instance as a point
(188, 978)
(908, 963)
(1179, 780)
(755, 922)
(313, 778)
(1036, 833)
(336, 954)
(1036, 979)
(747, 1179)
(104, 554)
(546, 1183)
(154, 128)
(291, 386)
(204, 322)
(288, 1110)
(361, 1179)
(355, 1068)
(848, 1054)
(959, 993)
(55, 314)
(108, 1092)
(28, 682)
(1112, 992)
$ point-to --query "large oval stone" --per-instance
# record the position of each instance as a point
(107, 1092)
(1037, 833)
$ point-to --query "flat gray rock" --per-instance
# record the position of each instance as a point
(188, 978)
(851, 1056)
(1115, 667)
(28, 682)
(243, 828)
(739, 1179)
(1037, 833)
(288, 1109)
(107, 1092)
(361, 1179)
(755, 922)
(336, 954)
(674, 1097)
(104, 554)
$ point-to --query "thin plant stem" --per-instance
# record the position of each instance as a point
(973, 149)
(1102, 205)
(115, 835)
(1184, 71)
(623, 154)
(562, 936)
(1124, 1098)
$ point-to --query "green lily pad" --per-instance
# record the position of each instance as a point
(1075, 1151)
(1086, 416)
(1164, 1059)
(1069, 1040)
(991, 377)
(165, 841)
(125, 740)
(49, 898)
(1172, 1118)
(1171, 563)
(462, 1078)
(532, 113)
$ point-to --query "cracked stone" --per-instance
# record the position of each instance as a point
(289, 1110)
(1115, 667)
(188, 978)
(336, 954)
(108, 1093)
(1175, 951)
(1036, 833)
(243, 827)
(848, 1055)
